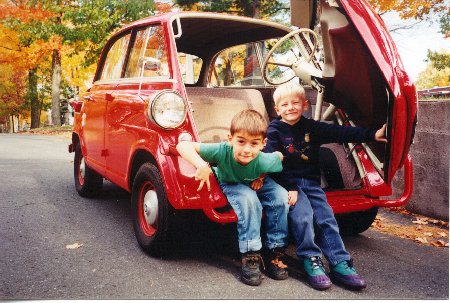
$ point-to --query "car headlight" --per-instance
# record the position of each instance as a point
(168, 109)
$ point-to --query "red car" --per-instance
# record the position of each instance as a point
(182, 76)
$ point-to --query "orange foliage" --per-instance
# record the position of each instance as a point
(27, 57)
(418, 9)
(162, 7)
(21, 11)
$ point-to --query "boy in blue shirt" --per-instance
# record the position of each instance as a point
(299, 139)
(239, 162)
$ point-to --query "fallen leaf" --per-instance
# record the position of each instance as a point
(73, 246)
(442, 234)
(421, 222)
(428, 234)
(421, 240)
(434, 221)
(439, 243)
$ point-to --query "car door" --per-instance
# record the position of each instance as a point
(95, 102)
(369, 80)
(147, 71)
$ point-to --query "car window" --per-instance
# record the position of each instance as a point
(112, 68)
(148, 55)
(237, 66)
(190, 67)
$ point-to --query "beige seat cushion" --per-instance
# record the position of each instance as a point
(214, 108)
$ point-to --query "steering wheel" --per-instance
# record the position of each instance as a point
(307, 52)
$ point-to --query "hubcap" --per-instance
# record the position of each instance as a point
(150, 207)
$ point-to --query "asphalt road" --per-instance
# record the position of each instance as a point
(41, 213)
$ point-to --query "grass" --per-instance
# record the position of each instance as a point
(50, 129)
(64, 131)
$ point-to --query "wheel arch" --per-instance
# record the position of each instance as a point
(140, 157)
(75, 139)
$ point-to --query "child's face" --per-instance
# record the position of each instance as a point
(246, 147)
(290, 108)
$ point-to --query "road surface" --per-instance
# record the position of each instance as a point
(41, 213)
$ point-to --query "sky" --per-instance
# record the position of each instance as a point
(413, 44)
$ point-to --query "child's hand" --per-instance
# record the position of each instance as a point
(380, 135)
(292, 197)
(202, 174)
(257, 183)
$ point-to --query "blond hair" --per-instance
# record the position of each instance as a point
(288, 89)
(249, 121)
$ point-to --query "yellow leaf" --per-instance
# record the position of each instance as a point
(421, 222)
(421, 240)
(428, 234)
(74, 246)
(442, 234)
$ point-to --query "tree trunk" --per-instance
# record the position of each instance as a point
(12, 123)
(56, 87)
(34, 101)
(256, 6)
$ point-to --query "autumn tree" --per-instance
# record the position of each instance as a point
(431, 10)
(23, 55)
(250, 8)
(84, 25)
(439, 60)
(437, 71)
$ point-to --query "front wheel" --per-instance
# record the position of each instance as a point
(151, 211)
(88, 183)
(355, 223)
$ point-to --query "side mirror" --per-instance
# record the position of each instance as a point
(149, 63)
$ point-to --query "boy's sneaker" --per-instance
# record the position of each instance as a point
(345, 274)
(276, 268)
(251, 275)
(316, 274)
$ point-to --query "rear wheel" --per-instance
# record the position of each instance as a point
(88, 183)
(152, 214)
(355, 223)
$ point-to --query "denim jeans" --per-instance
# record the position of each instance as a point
(248, 205)
(313, 213)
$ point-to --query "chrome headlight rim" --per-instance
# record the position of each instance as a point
(153, 115)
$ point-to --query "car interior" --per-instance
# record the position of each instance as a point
(349, 79)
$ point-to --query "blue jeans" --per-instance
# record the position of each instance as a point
(313, 213)
(248, 205)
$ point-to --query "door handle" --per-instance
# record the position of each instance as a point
(109, 96)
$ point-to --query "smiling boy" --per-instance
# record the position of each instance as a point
(311, 218)
(239, 162)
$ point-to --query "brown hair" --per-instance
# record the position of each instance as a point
(249, 121)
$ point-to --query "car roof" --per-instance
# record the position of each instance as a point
(206, 33)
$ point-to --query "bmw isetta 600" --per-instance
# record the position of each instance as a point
(183, 76)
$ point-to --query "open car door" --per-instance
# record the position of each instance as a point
(400, 92)
(349, 57)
